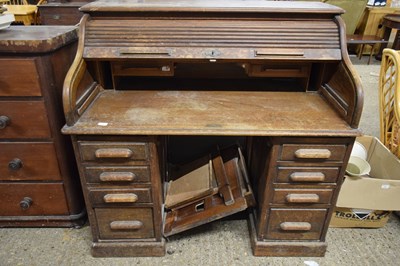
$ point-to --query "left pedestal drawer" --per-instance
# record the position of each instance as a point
(125, 223)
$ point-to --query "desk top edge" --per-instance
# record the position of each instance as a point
(204, 6)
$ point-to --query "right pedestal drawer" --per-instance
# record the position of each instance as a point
(295, 224)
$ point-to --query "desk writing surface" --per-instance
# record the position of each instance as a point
(210, 113)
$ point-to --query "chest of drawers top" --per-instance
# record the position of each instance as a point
(36, 39)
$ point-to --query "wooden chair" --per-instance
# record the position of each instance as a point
(389, 100)
(389, 96)
(23, 11)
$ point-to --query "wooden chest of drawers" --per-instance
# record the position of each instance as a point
(61, 12)
(39, 183)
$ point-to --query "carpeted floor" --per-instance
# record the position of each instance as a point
(221, 242)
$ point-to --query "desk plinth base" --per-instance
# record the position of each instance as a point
(283, 248)
(76, 220)
(129, 249)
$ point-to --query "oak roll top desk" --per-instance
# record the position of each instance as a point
(157, 84)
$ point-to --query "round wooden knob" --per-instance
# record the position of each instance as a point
(4, 121)
(25, 203)
(15, 164)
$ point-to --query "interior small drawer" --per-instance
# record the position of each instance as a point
(301, 197)
(23, 161)
(120, 175)
(19, 77)
(27, 199)
(147, 68)
(310, 152)
(300, 175)
(279, 70)
(119, 197)
(295, 224)
(123, 223)
(23, 119)
(114, 152)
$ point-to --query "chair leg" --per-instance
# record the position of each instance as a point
(360, 52)
(371, 53)
(26, 21)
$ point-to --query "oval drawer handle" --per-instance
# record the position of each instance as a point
(295, 226)
(113, 153)
(126, 225)
(302, 198)
(4, 121)
(312, 154)
(117, 176)
(307, 177)
(120, 198)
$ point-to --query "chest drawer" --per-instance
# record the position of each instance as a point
(28, 161)
(296, 224)
(302, 197)
(66, 14)
(19, 77)
(119, 197)
(310, 152)
(26, 119)
(298, 175)
(113, 152)
(121, 175)
(26, 199)
(124, 223)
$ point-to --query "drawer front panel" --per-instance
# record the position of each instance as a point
(63, 15)
(125, 223)
(307, 174)
(119, 197)
(19, 77)
(302, 197)
(113, 152)
(279, 70)
(310, 153)
(295, 224)
(117, 175)
(27, 119)
(28, 161)
(142, 68)
(45, 199)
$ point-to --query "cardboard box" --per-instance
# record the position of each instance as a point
(348, 217)
(367, 201)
